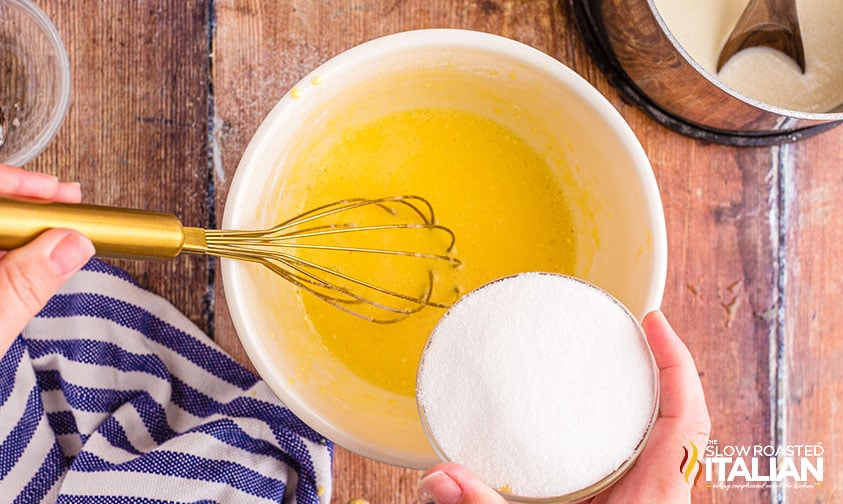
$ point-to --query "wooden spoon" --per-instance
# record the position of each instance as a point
(771, 23)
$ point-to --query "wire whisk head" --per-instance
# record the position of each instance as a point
(378, 259)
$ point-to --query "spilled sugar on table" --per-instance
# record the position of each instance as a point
(167, 93)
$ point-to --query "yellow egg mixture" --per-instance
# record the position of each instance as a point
(501, 199)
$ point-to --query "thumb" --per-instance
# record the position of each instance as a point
(450, 483)
(29, 275)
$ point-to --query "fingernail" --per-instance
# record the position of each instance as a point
(75, 189)
(71, 253)
(440, 487)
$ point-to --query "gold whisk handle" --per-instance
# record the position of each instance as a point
(115, 232)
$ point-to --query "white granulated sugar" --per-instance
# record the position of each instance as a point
(540, 384)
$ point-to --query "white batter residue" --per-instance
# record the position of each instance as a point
(702, 26)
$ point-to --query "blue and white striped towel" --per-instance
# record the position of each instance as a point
(111, 395)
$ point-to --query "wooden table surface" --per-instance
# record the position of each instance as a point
(167, 93)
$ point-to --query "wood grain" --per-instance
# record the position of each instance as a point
(167, 94)
(720, 285)
(812, 337)
(721, 269)
(136, 130)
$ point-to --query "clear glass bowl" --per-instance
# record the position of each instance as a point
(457, 379)
(34, 81)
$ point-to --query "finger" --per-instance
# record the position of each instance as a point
(450, 483)
(659, 474)
(29, 275)
(68, 192)
(19, 182)
(681, 393)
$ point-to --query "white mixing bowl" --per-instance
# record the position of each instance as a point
(615, 203)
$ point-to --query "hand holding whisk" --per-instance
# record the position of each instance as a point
(315, 250)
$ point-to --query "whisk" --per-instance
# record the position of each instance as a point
(343, 227)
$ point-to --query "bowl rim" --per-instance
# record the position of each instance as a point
(401, 41)
(49, 29)
(619, 471)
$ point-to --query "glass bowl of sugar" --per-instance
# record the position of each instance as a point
(541, 384)
(35, 86)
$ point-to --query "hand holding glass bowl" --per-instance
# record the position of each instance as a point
(683, 417)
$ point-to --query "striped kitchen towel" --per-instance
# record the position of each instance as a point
(111, 395)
